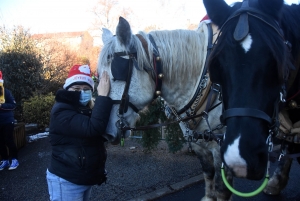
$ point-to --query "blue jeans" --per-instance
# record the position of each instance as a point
(63, 190)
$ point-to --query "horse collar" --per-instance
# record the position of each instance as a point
(203, 81)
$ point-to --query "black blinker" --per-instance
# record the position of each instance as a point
(119, 68)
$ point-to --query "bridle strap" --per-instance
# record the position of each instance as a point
(246, 112)
(241, 30)
(257, 14)
(129, 103)
(124, 102)
(168, 123)
(157, 67)
(125, 97)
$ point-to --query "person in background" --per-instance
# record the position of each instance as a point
(78, 150)
(8, 149)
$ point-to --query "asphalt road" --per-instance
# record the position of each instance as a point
(131, 172)
(290, 193)
(133, 175)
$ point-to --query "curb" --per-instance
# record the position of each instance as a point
(169, 189)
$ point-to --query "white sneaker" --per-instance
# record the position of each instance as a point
(14, 164)
(4, 164)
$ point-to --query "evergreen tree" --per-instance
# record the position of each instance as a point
(154, 114)
(20, 63)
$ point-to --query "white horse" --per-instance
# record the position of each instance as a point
(169, 64)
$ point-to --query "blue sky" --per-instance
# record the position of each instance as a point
(46, 16)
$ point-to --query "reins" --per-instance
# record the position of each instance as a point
(141, 128)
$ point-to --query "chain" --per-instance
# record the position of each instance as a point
(203, 85)
(180, 119)
(121, 123)
(187, 130)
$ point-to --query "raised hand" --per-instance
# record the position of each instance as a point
(104, 85)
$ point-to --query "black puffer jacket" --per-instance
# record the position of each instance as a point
(7, 108)
(78, 151)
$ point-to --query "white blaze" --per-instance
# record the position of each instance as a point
(246, 43)
(234, 160)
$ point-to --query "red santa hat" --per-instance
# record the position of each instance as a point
(79, 74)
(1, 79)
(206, 19)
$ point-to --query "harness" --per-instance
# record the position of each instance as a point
(196, 109)
(121, 69)
(280, 126)
(241, 31)
(200, 105)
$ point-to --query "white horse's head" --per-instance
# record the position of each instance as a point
(181, 56)
(120, 53)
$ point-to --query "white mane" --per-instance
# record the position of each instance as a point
(181, 52)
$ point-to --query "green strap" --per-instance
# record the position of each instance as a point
(122, 142)
(240, 193)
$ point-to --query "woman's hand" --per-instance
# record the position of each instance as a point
(104, 85)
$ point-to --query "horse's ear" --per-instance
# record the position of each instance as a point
(271, 7)
(217, 10)
(123, 32)
(106, 35)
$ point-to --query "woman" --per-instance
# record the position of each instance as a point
(7, 124)
(78, 151)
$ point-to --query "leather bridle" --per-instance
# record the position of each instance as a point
(241, 31)
(124, 102)
(123, 126)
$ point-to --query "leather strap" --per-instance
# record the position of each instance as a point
(157, 66)
(246, 112)
(125, 97)
(242, 27)
(168, 123)
(129, 103)
(204, 72)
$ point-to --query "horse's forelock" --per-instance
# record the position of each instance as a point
(106, 53)
(109, 49)
(145, 61)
